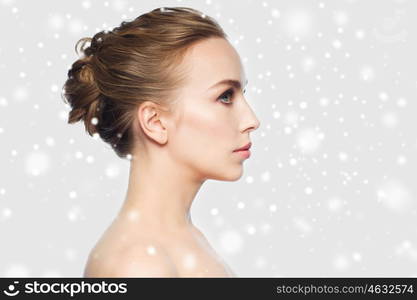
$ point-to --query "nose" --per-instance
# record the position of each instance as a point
(253, 122)
(257, 123)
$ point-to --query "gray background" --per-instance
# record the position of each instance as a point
(330, 188)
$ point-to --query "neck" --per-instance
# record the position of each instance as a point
(160, 193)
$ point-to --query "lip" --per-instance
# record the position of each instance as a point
(243, 153)
(244, 148)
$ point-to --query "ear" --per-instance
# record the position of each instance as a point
(152, 122)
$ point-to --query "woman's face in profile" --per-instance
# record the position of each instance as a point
(213, 120)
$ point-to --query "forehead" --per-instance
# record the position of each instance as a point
(210, 61)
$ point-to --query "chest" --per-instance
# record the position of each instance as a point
(196, 258)
(199, 263)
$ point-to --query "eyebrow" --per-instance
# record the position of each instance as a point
(233, 82)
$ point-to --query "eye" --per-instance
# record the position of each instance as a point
(229, 92)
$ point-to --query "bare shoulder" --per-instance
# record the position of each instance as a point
(144, 258)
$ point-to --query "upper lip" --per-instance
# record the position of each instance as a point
(246, 147)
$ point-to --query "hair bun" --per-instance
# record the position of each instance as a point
(82, 93)
(96, 42)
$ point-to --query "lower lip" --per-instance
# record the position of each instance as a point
(243, 153)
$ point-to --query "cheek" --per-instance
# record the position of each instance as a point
(204, 140)
(204, 134)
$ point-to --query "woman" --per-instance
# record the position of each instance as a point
(154, 89)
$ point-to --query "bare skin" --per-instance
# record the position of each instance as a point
(188, 250)
(174, 154)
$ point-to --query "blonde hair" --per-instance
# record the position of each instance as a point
(135, 62)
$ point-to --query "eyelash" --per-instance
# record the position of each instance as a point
(228, 92)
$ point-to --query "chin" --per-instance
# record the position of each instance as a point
(230, 175)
